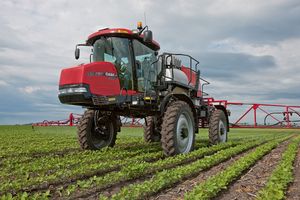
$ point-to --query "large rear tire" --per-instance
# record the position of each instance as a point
(218, 127)
(95, 131)
(151, 133)
(178, 129)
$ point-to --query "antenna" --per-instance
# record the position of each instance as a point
(145, 19)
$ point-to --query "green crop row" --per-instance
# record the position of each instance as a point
(45, 148)
(42, 165)
(53, 163)
(14, 159)
(210, 188)
(52, 145)
(169, 177)
(282, 175)
(77, 172)
(136, 170)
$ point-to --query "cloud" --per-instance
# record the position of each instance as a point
(247, 50)
(37, 89)
(3, 83)
(233, 65)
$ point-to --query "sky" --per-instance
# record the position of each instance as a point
(248, 50)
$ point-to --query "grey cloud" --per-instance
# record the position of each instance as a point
(229, 65)
(289, 93)
(268, 25)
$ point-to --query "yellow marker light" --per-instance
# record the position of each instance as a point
(147, 98)
(139, 25)
(122, 31)
(118, 31)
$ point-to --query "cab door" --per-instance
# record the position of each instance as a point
(146, 70)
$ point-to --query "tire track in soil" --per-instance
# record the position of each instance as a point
(293, 192)
(178, 191)
(255, 178)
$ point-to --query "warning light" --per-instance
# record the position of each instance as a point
(139, 25)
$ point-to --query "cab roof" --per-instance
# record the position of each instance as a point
(121, 32)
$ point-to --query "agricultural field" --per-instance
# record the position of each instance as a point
(47, 163)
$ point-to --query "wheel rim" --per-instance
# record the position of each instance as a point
(222, 131)
(184, 133)
(102, 135)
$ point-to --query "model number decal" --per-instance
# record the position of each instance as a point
(107, 74)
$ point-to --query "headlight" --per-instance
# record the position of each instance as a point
(72, 90)
(78, 90)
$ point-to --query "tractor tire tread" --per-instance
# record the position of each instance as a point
(214, 126)
(168, 126)
(82, 126)
(83, 134)
(150, 134)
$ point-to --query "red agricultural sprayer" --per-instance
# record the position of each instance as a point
(128, 77)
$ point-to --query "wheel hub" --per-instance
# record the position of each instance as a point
(222, 131)
(184, 133)
(102, 133)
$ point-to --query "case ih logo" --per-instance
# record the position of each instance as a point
(107, 74)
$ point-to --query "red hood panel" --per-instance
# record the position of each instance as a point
(100, 76)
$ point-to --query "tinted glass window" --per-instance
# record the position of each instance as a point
(117, 51)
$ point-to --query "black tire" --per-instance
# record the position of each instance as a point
(218, 127)
(92, 139)
(178, 129)
(151, 133)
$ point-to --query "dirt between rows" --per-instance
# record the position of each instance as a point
(293, 192)
(245, 188)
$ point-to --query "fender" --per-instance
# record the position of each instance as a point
(181, 97)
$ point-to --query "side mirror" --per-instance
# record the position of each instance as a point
(77, 53)
(148, 36)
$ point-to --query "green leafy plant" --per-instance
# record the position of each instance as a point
(282, 175)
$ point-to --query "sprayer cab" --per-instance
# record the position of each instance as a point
(121, 60)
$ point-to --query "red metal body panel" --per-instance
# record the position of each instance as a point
(191, 75)
(93, 74)
(123, 32)
(110, 31)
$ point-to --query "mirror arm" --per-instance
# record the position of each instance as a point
(77, 49)
(141, 31)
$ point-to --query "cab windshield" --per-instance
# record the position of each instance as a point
(116, 50)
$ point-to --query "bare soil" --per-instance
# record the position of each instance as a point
(293, 192)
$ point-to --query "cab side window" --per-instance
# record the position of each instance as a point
(146, 71)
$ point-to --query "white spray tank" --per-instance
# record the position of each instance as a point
(175, 73)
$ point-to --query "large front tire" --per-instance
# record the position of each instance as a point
(151, 133)
(96, 132)
(178, 129)
(218, 127)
